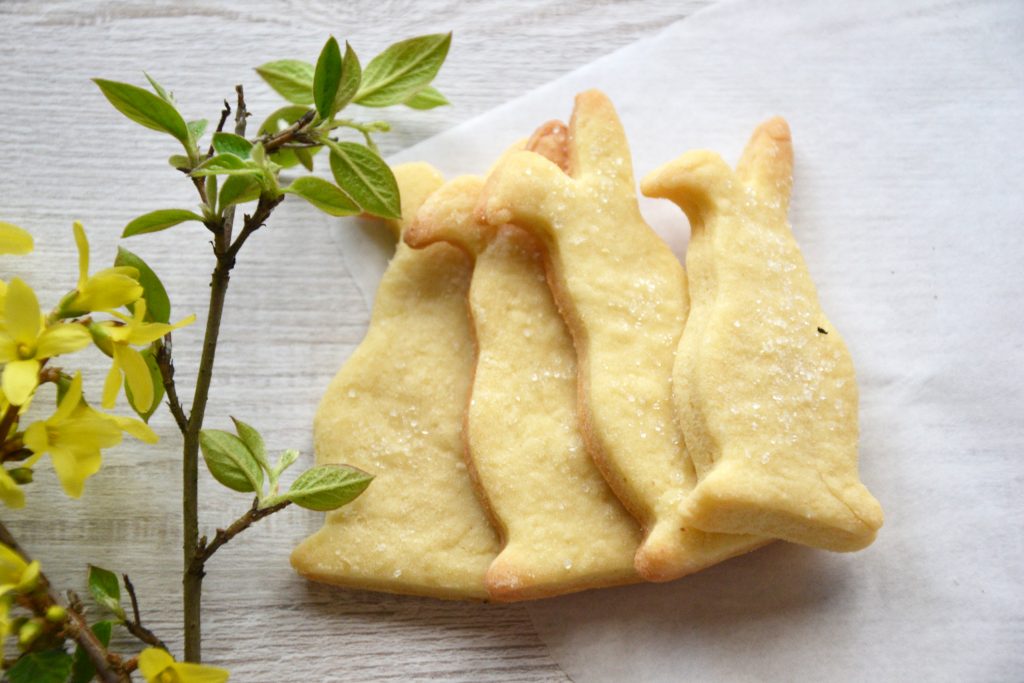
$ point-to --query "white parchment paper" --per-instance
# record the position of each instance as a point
(908, 120)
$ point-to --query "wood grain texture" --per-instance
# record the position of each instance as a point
(293, 313)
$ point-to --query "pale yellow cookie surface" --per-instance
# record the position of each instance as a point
(623, 295)
(396, 410)
(564, 530)
(765, 387)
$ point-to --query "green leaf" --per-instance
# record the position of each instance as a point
(159, 89)
(278, 121)
(366, 178)
(144, 108)
(229, 143)
(157, 378)
(253, 441)
(179, 161)
(158, 304)
(328, 487)
(83, 671)
(155, 221)
(428, 98)
(291, 78)
(351, 76)
(305, 157)
(226, 164)
(326, 78)
(230, 462)
(325, 196)
(48, 666)
(286, 460)
(197, 128)
(402, 70)
(105, 589)
(238, 190)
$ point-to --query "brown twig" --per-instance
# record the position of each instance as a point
(108, 666)
(264, 207)
(204, 551)
(273, 142)
(165, 362)
(134, 625)
(224, 114)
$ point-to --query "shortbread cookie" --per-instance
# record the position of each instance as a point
(563, 528)
(396, 410)
(623, 295)
(764, 384)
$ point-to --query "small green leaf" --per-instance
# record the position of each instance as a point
(366, 178)
(226, 164)
(154, 221)
(286, 460)
(158, 304)
(230, 462)
(428, 98)
(229, 143)
(305, 157)
(159, 89)
(238, 190)
(179, 161)
(197, 128)
(48, 666)
(328, 487)
(157, 378)
(351, 76)
(327, 77)
(83, 671)
(402, 70)
(291, 78)
(105, 589)
(325, 196)
(144, 108)
(253, 441)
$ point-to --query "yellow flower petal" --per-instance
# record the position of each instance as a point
(62, 338)
(82, 242)
(106, 291)
(35, 438)
(137, 428)
(152, 662)
(20, 379)
(8, 348)
(12, 566)
(136, 374)
(112, 385)
(10, 493)
(70, 401)
(199, 673)
(14, 240)
(21, 311)
(74, 468)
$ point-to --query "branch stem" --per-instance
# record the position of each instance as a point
(107, 665)
(206, 550)
(134, 625)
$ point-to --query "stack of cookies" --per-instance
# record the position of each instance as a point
(550, 403)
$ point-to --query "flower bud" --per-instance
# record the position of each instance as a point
(56, 614)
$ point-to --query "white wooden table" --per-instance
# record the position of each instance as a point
(293, 313)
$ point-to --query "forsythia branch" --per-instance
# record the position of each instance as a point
(204, 550)
(134, 625)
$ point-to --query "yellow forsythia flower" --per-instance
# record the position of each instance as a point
(23, 342)
(103, 291)
(74, 436)
(156, 666)
(14, 240)
(136, 332)
(11, 494)
(16, 574)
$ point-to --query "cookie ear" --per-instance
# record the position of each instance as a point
(551, 140)
(699, 182)
(415, 182)
(767, 162)
(597, 141)
(449, 215)
(518, 189)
